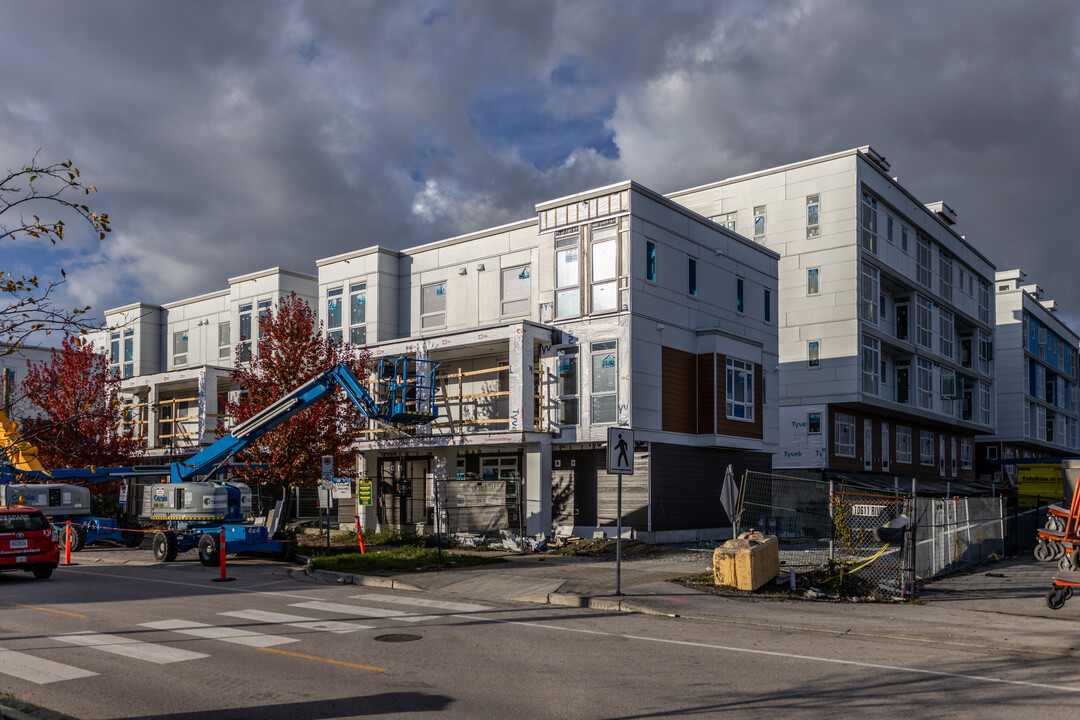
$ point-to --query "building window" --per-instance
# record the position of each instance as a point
(567, 373)
(759, 224)
(947, 326)
(129, 353)
(844, 427)
(966, 453)
(691, 277)
(650, 261)
(813, 216)
(924, 322)
(568, 274)
(984, 302)
(768, 305)
(926, 447)
(224, 340)
(869, 223)
(358, 314)
(333, 314)
(604, 386)
(180, 347)
(740, 390)
(812, 287)
(903, 444)
(264, 312)
(813, 423)
(739, 306)
(986, 351)
(871, 287)
(114, 353)
(945, 277)
(903, 238)
(726, 220)
(889, 229)
(433, 305)
(984, 403)
(922, 261)
(812, 349)
(925, 384)
(245, 332)
(871, 364)
(516, 290)
(604, 260)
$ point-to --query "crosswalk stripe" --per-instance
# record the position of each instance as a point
(297, 621)
(366, 612)
(136, 649)
(216, 632)
(422, 602)
(38, 670)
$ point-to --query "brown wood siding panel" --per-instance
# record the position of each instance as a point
(706, 394)
(678, 394)
(737, 428)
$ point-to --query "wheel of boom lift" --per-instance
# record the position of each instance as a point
(78, 537)
(132, 536)
(289, 553)
(165, 546)
(209, 547)
(1055, 599)
(1043, 553)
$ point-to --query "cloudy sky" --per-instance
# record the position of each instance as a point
(229, 136)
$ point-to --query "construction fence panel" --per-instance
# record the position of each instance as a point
(795, 510)
(856, 548)
(958, 531)
(487, 508)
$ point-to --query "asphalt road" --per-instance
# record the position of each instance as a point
(165, 641)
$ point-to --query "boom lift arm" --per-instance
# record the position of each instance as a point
(408, 385)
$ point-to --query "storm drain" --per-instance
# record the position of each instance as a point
(397, 637)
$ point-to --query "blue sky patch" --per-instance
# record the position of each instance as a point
(515, 116)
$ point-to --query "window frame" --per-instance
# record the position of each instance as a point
(433, 317)
(903, 444)
(868, 225)
(611, 281)
(650, 261)
(691, 277)
(927, 442)
(519, 304)
(335, 301)
(813, 353)
(813, 281)
(813, 215)
(844, 424)
(734, 370)
(759, 215)
(179, 348)
(599, 349)
(740, 295)
(568, 240)
(224, 339)
(568, 403)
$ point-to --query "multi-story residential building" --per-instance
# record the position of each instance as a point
(1038, 403)
(613, 307)
(174, 359)
(886, 332)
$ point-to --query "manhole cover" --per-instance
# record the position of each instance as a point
(397, 637)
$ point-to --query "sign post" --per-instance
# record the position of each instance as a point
(326, 484)
(620, 461)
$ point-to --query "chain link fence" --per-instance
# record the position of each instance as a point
(856, 549)
(484, 509)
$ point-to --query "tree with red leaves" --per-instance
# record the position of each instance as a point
(78, 412)
(292, 350)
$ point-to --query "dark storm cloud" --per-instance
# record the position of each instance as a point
(231, 136)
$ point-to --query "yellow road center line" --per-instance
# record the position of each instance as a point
(328, 660)
(58, 612)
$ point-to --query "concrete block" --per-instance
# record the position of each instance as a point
(748, 562)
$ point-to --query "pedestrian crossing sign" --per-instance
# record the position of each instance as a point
(620, 451)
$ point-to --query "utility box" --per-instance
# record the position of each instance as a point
(748, 562)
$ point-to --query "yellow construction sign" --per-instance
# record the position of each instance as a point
(22, 455)
(1039, 483)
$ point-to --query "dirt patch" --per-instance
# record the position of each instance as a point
(599, 547)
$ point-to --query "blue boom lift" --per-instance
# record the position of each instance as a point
(194, 512)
